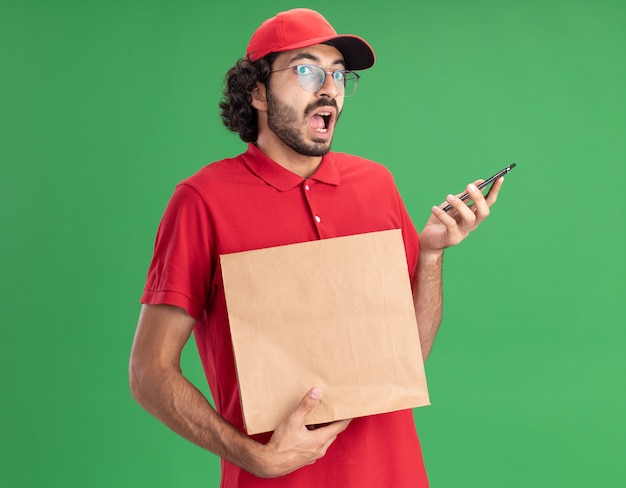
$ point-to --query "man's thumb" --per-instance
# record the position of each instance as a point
(308, 403)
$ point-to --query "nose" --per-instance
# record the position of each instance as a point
(329, 88)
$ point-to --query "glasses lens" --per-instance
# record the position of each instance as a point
(311, 78)
(348, 82)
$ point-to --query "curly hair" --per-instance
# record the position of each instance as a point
(236, 109)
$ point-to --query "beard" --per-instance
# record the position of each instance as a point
(285, 123)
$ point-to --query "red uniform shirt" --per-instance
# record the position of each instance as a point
(251, 202)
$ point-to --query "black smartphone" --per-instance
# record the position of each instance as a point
(488, 181)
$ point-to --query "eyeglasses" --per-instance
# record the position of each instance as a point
(312, 77)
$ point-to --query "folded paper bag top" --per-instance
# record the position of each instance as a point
(335, 313)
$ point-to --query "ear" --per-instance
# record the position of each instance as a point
(259, 97)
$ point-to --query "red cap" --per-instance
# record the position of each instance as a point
(302, 27)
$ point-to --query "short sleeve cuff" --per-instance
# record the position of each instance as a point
(151, 297)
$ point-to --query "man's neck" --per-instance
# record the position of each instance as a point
(289, 159)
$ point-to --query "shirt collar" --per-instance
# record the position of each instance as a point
(282, 179)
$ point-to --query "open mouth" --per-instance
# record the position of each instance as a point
(320, 121)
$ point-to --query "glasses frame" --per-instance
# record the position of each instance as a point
(326, 71)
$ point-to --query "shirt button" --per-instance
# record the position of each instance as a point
(306, 187)
(317, 219)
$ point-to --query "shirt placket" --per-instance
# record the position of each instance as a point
(308, 187)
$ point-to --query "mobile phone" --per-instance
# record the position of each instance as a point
(488, 181)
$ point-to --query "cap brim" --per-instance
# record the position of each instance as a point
(357, 53)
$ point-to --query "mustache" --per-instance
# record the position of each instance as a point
(321, 103)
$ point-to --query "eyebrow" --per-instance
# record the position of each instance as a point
(311, 57)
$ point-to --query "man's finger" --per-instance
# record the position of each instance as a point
(492, 194)
(306, 406)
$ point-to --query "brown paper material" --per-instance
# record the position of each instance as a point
(337, 314)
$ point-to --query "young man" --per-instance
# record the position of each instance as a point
(284, 98)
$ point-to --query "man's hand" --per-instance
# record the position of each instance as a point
(441, 231)
(445, 229)
(293, 446)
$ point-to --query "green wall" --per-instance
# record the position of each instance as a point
(104, 106)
